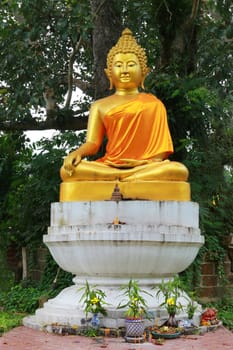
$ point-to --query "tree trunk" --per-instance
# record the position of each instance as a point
(24, 263)
(178, 30)
(106, 32)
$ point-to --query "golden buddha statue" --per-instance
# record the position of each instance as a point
(139, 140)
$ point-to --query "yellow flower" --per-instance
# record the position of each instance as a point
(170, 301)
(134, 301)
(94, 300)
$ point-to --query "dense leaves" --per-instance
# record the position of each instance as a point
(38, 42)
(34, 185)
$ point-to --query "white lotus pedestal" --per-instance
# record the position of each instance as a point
(153, 241)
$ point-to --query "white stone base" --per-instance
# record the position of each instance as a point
(153, 241)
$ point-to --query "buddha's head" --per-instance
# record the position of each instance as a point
(127, 44)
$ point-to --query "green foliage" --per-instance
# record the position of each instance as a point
(20, 299)
(32, 173)
(25, 296)
(191, 277)
(171, 291)
(12, 150)
(54, 279)
(216, 224)
(93, 299)
(192, 304)
(225, 312)
(91, 332)
(6, 276)
(10, 320)
(133, 300)
(36, 41)
(34, 185)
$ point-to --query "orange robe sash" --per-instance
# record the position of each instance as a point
(137, 130)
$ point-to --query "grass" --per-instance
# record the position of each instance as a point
(9, 320)
(227, 319)
(225, 313)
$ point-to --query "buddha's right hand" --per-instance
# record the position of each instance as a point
(71, 161)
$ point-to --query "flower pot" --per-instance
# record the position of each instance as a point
(172, 322)
(134, 330)
(95, 321)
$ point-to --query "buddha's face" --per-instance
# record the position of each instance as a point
(126, 71)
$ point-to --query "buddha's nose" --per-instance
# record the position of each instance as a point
(124, 68)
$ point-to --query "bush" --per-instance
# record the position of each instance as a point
(10, 320)
(225, 312)
(20, 299)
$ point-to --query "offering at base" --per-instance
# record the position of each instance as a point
(165, 332)
(209, 317)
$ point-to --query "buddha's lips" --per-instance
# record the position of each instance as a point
(125, 76)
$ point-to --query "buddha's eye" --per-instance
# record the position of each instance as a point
(118, 64)
(131, 64)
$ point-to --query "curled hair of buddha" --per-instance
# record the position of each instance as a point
(127, 44)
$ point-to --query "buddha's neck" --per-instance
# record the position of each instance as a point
(126, 92)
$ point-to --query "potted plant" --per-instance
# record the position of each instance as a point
(136, 310)
(192, 306)
(93, 299)
(171, 292)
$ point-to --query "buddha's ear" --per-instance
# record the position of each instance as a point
(106, 70)
(144, 77)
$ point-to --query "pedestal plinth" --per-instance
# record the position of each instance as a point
(102, 190)
(153, 241)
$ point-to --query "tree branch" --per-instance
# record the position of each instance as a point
(98, 9)
(60, 123)
(194, 10)
(167, 8)
(82, 85)
(70, 72)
